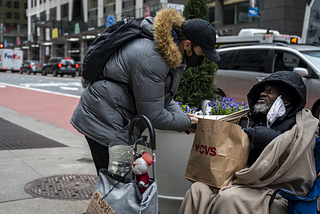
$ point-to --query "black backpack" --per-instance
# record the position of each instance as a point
(106, 44)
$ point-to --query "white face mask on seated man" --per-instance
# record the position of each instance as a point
(278, 109)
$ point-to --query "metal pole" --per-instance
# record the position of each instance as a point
(1, 36)
(259, 13)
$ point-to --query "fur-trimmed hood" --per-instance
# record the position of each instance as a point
(160, 27)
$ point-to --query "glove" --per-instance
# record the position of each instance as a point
(249, 132)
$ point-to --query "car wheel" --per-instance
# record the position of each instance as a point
(317, 112)
(61, 75)
(73, 75)
(55, 73)
(44, 72)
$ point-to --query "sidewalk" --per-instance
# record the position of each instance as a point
(21, 166)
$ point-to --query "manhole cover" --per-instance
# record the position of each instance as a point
(76, 187)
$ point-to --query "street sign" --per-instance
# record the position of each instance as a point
(253, 9)
(54, 33)
(110, 20)
(76, 28)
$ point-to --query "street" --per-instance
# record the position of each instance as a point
(38, 143)
(60, 85)
(48, 99)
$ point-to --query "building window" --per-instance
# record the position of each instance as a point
(26, 5)
(9, 15)
(110, 6)
(16, 4)
(92, 4)
(211, 14)
(53, 13)
(8, 4)
(92, 13)
(109, 9)
(43, 16)
(106, 2)
(242, 13)
(64, 10)
(229, 13)
(237, 13)
(16, 15)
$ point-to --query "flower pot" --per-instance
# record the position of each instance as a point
(173, 151)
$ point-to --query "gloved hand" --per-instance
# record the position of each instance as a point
(249, 132)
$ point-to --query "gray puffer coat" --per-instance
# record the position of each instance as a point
(145, 75)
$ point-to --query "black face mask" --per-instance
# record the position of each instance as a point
(193, 60)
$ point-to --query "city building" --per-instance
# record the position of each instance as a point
(66, 28)
(13, 23)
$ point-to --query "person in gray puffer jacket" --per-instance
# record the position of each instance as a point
(142, 77)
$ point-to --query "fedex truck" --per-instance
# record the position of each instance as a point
(10, 60)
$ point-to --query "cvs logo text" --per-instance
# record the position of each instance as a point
(206, 150)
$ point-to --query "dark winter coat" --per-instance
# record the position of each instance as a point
(145, 75)
(258, 132)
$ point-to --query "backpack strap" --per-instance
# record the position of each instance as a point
(110, 40)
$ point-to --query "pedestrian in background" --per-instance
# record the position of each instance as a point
(142, 78)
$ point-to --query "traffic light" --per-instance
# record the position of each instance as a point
(1, 45)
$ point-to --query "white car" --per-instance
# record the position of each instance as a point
(242, 66)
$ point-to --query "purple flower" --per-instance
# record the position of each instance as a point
(219, 106)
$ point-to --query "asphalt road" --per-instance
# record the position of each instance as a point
(59, 85)
(48, 99)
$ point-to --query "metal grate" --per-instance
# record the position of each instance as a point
(14, 137)
(67, 187)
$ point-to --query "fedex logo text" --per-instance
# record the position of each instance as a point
(206, 150)
(13, 56)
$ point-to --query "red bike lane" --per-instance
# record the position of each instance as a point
(55, 109)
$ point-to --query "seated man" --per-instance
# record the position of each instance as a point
(282, 135)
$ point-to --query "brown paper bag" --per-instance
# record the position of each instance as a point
(219, 150)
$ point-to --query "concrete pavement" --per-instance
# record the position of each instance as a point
(19, 167)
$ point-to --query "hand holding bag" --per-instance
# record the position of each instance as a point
(219, 150)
